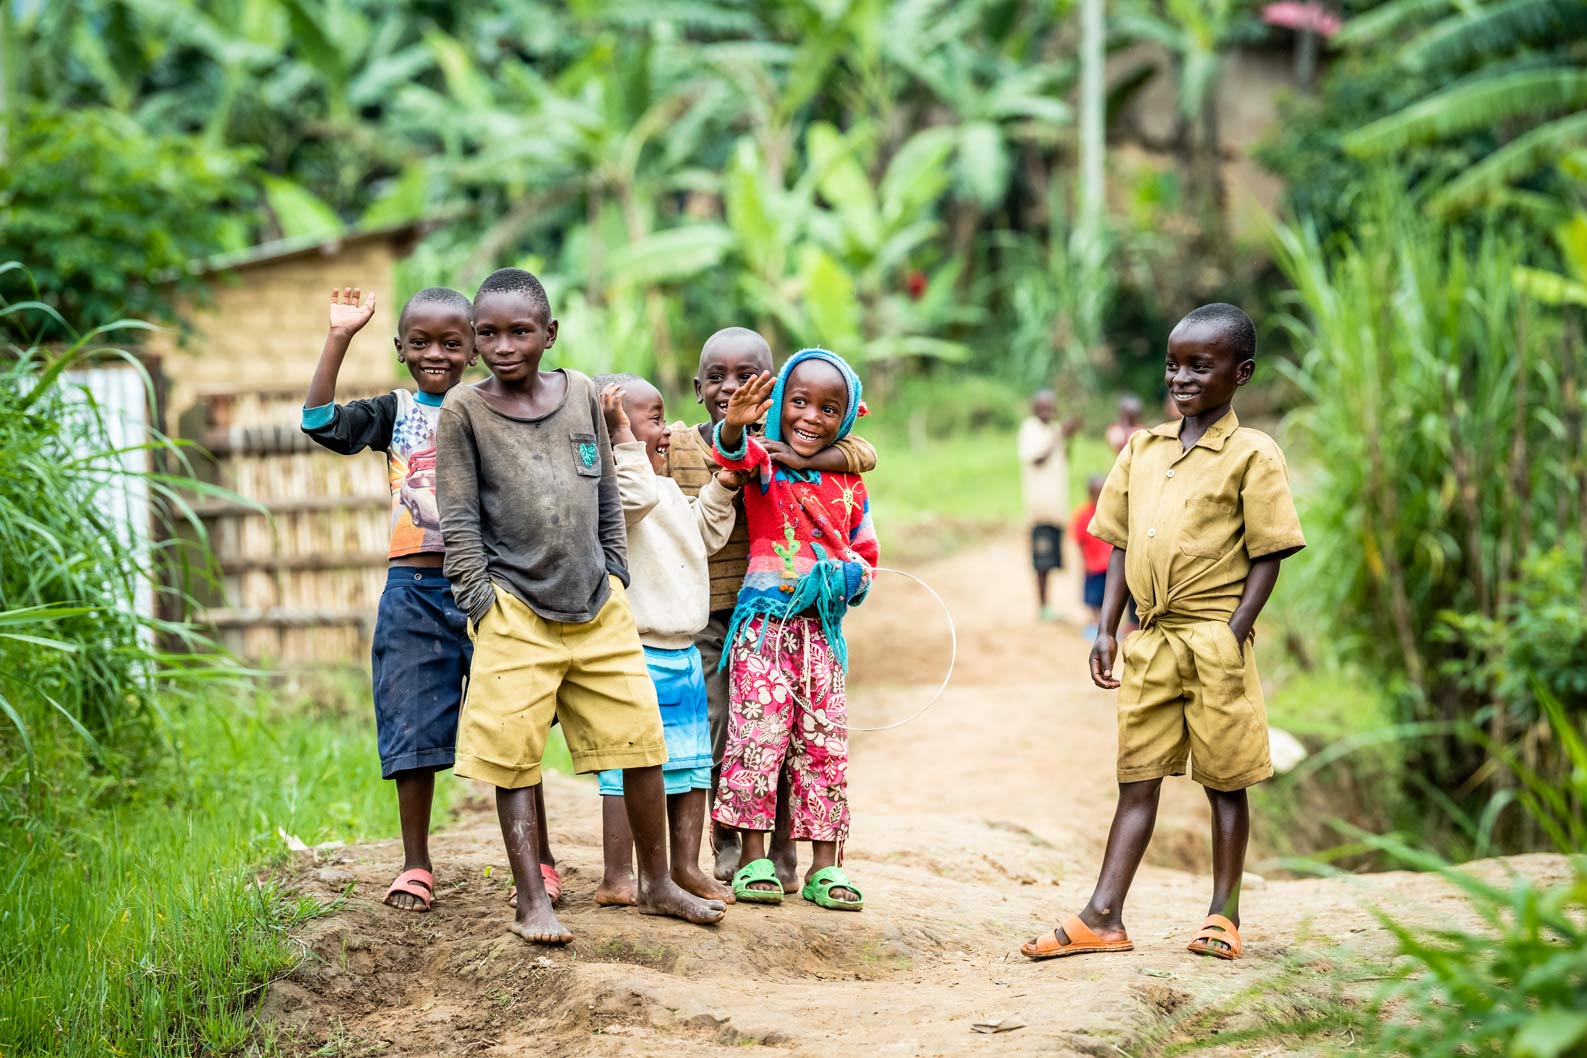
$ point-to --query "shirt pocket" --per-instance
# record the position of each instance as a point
(586, 454)
(1206, 527)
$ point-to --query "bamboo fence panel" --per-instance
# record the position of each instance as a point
(300, 579)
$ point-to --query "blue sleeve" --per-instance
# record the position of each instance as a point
(354, 426)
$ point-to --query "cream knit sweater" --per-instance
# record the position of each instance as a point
(670, 538)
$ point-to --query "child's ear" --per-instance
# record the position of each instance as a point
(1243, 373)
(699, 398)
(551, 334)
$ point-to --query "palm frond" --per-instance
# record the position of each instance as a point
(1499, 29)
(1478, 104)
(1521, 156)
(1384, 19)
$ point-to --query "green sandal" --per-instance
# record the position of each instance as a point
(819, 890)
(761, 870)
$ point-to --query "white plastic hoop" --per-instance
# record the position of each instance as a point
(953, 654)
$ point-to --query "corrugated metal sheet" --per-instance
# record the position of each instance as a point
(119, 393)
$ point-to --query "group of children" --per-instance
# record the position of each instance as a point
(673, 595)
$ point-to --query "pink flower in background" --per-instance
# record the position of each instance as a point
(1299, 15)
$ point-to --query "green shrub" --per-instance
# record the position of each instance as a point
(1446, 442)
(110, 216)
(1537, 639)
(1519, 988)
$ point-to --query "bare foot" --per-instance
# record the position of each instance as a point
(728, 847)
(693, 880)
(787, 864)
(665, 898)
(540, 927)
(617, 892)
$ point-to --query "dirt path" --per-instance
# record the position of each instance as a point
(975, 827)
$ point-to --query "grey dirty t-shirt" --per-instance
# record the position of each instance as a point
(530, 504)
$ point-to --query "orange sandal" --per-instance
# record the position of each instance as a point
(1220, 929)
(1082, 941)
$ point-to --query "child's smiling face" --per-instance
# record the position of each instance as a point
(512, 333)
(647, 417)
(1204, 368)
(726, 363)
(436, 342)
(814, 401)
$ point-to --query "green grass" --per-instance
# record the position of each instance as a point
(130, 919)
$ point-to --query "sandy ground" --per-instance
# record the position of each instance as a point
(976, 826)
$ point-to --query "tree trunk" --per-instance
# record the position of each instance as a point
(1091, 199)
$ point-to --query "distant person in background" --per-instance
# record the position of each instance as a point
(1044, 467)
(1128, 423)
(1094, 554)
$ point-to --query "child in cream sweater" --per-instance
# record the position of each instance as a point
(670, 539)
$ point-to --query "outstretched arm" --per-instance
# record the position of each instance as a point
(360, 424)
(851, 455)
(350, 310)
(745, 407)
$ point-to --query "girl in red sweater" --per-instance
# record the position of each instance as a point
(813, 552)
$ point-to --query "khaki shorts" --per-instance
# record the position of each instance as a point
(1187, 692)
(591, 676)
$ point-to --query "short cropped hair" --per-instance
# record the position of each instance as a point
(516, 281)
(1231, 322)
(445, 297)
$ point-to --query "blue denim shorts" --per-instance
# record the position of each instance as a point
(419, 662)
(680, 689)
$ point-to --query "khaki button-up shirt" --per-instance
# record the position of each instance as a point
(1190, 521)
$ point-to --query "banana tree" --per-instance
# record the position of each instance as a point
(1516, 68)
(839, 261)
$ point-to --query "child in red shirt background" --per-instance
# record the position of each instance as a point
(1093, 554)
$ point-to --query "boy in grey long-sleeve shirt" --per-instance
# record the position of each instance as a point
(536, 555)
(523, 512)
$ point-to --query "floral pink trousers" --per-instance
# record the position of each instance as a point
(789, 711)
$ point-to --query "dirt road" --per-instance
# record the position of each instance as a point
(975, 827)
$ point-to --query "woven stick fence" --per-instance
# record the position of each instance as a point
(301, 581)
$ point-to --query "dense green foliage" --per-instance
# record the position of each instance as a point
(107, 213)
(1483, 105)
(887, 177)
(1448, 493)
(82, 665)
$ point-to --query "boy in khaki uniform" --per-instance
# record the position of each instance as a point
(1199, 513)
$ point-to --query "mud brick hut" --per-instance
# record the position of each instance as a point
(302, 570)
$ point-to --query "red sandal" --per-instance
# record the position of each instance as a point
(418, 883)
(553, 882)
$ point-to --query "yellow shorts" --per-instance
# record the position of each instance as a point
(1186, 691)
(591, 676)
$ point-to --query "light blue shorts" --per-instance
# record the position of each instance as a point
(680, 690)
